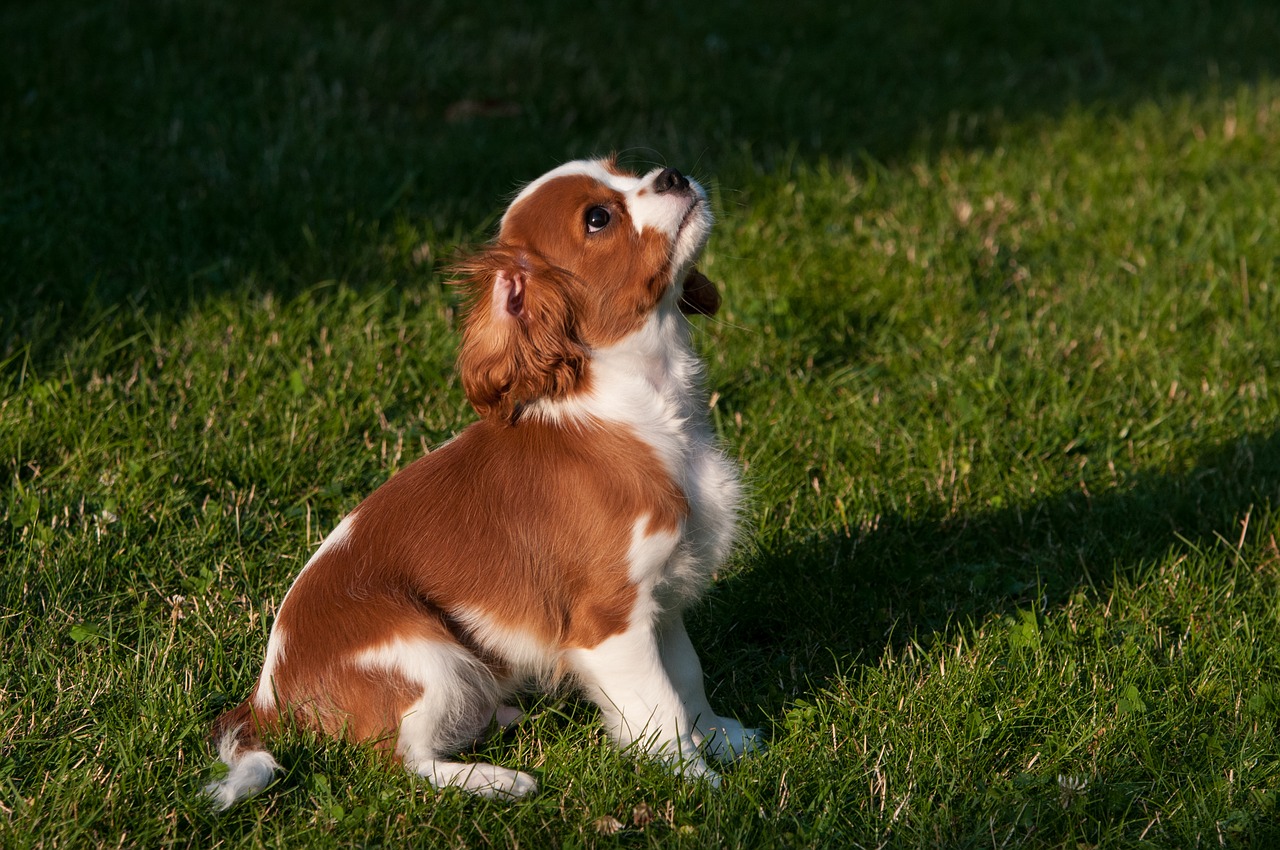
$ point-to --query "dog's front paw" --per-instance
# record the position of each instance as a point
(697, 769)
(685, 760)
(728, 740)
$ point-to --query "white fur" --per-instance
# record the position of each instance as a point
(640, 706)
(248, 772)
(722, 737)
(487, 780)
(685, 219)
(647, 559)
(663, 211)
(592, 168)
(459, 698)
(528, 656)
(265, 696)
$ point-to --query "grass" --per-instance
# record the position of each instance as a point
(1001, 299)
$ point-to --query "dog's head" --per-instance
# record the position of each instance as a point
(585, 255)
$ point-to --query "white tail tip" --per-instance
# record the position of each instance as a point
(248, 772)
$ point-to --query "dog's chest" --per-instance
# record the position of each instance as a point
(711, 488)
(650, 385)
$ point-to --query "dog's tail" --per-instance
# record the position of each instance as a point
(249, 765)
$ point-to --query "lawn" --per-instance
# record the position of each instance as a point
(1002, 289)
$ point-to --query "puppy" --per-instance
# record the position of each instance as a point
(559, 538)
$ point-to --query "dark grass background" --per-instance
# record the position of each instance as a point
(157, 152)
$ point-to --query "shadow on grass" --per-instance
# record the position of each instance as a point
(810, 608)
(158, 155)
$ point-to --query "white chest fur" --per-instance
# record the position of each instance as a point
(651, 383)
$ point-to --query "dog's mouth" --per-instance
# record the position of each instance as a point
(692, 231)
(698, 295)
(695, 205)
(698, 213)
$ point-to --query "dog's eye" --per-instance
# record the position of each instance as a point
(597, 219)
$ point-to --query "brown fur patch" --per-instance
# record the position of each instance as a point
(623, 273)
(528, 525)
(578, 290)
(508, 359)
(612, 166)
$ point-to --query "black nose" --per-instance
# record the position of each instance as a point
(669, 179)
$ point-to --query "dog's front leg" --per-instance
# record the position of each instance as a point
(626, 677)
(722, 737)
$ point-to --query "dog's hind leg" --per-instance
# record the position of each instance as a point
(458, 700)
(487, 780)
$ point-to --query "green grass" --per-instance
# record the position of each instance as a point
(1000, 330)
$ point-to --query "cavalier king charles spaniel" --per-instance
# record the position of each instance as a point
(559, 539)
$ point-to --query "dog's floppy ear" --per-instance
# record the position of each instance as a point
(519, 338)
(700, 295)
